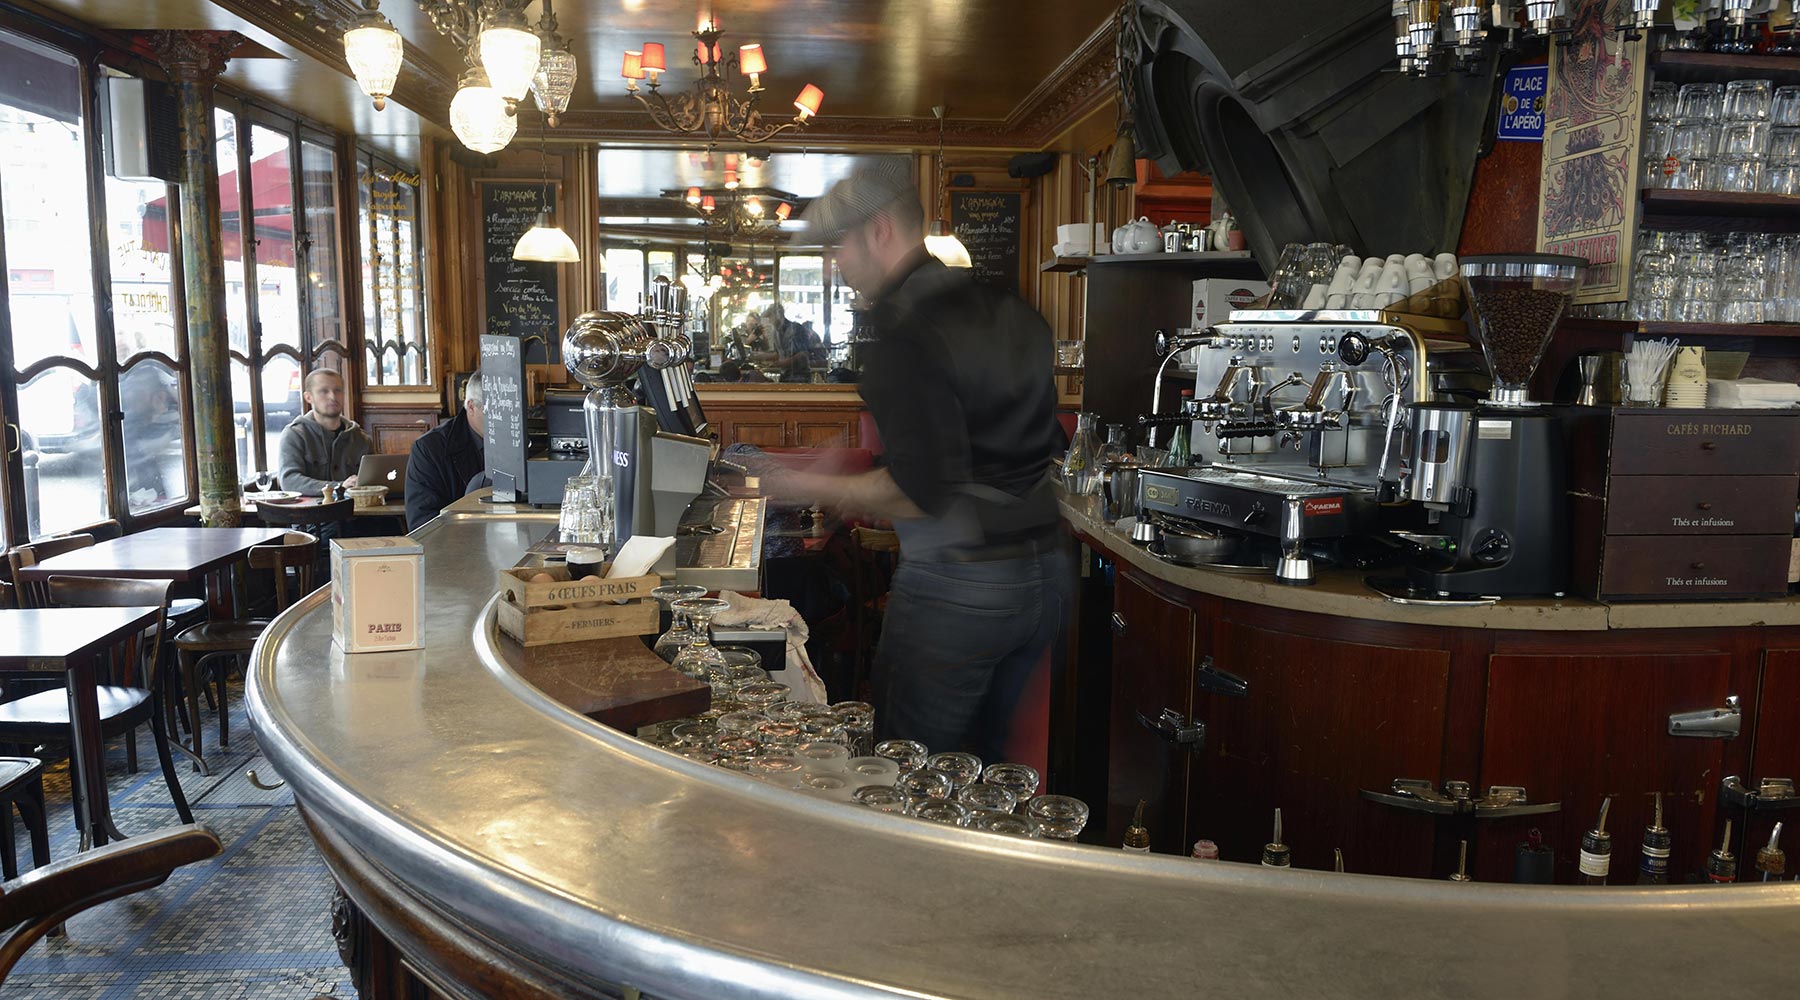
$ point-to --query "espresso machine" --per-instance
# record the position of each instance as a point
(1492, 476)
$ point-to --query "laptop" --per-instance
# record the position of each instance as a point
(384, 470)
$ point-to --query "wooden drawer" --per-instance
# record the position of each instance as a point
(1701, 505)
(1695, 568)
(1705, 443)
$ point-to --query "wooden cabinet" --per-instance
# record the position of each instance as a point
(783, 417)
(1775, 754)
(1153, 656)
(395, 427)
(1324, 719)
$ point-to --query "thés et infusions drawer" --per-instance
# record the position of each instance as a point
(1694, 567)
(1700, 505)
(1704, 443)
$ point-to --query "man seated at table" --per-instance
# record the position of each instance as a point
(322, 445)
(445, 459)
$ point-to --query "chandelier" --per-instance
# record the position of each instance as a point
(710, 108)
(731, 216)
(506, 58)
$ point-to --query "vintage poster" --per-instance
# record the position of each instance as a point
(1587, 203)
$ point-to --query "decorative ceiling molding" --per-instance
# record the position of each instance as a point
(191, 56)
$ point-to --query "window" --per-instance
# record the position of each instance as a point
(147, 344)
(801, 285)
(397, 350)
(624, 278)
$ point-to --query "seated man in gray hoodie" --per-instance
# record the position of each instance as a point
(322, 445)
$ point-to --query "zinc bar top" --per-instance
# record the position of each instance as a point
(580, 849)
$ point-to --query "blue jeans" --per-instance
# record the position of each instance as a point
(960, 641)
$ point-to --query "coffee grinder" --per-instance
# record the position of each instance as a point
(1493, 476)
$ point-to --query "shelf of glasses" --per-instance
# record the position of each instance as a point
(1663, 201)
(1680, 330)
(1719, 67)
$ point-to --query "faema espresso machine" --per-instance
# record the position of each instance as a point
(1493, 476)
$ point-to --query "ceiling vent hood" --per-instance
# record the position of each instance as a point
(1308, 130)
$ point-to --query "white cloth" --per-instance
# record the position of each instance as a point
(797, 673)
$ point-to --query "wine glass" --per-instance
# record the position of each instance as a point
(262, 480)
(680, 633)
(700, 659)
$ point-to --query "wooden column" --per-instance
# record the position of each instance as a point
(193, 60)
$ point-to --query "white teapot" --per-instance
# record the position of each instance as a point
(1141, 236)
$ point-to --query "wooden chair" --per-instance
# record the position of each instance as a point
(32, 906)
(212, 645)
(34, 594)
(22, 787)
(134, 701)
(277, 515)
(106, 530)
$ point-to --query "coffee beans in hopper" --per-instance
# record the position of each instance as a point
(1515, 324)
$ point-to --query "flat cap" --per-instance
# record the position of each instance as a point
(859, 197)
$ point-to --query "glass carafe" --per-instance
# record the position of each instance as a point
(1081, 466)
(1116, 446)
(680, 632)
(700, 659)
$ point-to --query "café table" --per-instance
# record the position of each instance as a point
(248, 509)
(180, 554)
(71, 641)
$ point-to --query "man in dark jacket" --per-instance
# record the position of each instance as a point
(445, 459)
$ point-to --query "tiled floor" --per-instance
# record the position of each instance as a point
(253, 922)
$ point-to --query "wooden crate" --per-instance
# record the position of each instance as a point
(560, 610)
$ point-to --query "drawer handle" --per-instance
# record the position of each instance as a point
(1705, 506)
(1697, 567)
(1708, 446)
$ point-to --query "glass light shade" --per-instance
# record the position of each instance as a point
(944, 245)
(554, 83)
(478, 115)
(693, 196)
(809, 100)
(374, 51)
(753, 206)
(509, 53)
(654, 57)
(633, 69)
(783, 210)
(750, 59)
(731, 180)
(707, 204)
(545, 242)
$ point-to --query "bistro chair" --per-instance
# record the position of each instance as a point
(211, 646)
(22, 787)
(32, 906)
(276, 515)
(33, 594)
(107, 530)
(139, 696)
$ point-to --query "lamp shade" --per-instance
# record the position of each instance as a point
(943, 244)
(634, 65)
(783, 210)
(703, 52)
(809, 100)
(509, 53)
(545, 242)
(753, 206)
(478, 114)
(693, 196)
(750, 59)
(554, 83)
(654, 57)
(374, 51)
(707, 204)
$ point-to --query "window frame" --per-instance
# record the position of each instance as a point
(366, 249)
(682, 249)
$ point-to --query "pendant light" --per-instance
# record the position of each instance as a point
(509, 53)
(478, 114)
(545, 241)
(374, 51)
(554, 82)
(941, 241)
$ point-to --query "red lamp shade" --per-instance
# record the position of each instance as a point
(634, 66)
(707, 204)
(750, 59)
(731, 180)
(783, 210)
(653, 57)
(809, 100)
(693, 196)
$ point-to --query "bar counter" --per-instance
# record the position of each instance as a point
(499, 842)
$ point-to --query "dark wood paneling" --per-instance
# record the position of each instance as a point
(1578, 728)
(1503, 200)
(395, 428)
(1153, 657)
(1325, 719)
(1775, 753)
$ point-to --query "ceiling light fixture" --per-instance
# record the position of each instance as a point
(710, 108)
(941, 241)
(546, 241)
(506, 59)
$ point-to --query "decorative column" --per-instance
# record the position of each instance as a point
(193, 60)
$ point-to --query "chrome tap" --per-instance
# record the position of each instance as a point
(1220, 405)
(1311, 414)
(1170, 348)
(1268, 397)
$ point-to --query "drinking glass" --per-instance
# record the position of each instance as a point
(1004, 823)
(1663, 99)
(1784, 107)
(680, 632)
(924, 785)
(784, 735)
(824, 754)
(743, 665)
(941, 811)
(699, 659)
(834, 785)
(1748, 100)
(1700, 100)
(1285, 284)
(1691, 173)
(1056, 817)
(779, 769)
(1738, 172)
(1020, 779)
(984, 797)
(1744, 138)
(1784, 143)
(881, 798)
(1697, 298)
(262, 480)
(960, 768)
(583, 519)
(909, 754)
(762, 696)
(741, 723)
(858, 720)
(873, 770)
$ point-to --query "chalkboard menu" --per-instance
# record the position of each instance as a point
(503, 412)
(522, 297)
(988, 223)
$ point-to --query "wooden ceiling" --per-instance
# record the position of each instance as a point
(1012, 75)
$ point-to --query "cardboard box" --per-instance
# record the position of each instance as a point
(1215, 298)
(377, 593)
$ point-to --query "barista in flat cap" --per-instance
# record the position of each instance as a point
(959, 383)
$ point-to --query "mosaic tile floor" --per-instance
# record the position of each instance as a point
(251, 924)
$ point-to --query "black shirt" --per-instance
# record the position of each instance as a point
(440, 465)
(960, 385)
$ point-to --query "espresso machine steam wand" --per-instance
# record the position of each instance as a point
(1169, 348)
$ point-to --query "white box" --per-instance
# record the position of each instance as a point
(377, 593)
(1215, 298)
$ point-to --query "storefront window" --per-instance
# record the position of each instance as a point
(65, 477)
(802, 284)
(154, 444)
(624, 278)
(271, 234)
(397, 349)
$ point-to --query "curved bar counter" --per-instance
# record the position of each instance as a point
(497, 843)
